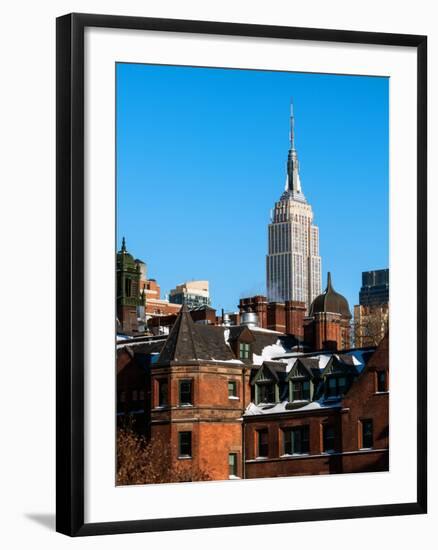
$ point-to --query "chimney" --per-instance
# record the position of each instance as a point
(295, 313)
(276, 319)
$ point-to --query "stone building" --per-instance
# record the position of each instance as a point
(129, 297)
(371, 315)
(191, 293)
(293, 264)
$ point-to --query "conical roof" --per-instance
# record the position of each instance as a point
(330, 301)
(189, 341)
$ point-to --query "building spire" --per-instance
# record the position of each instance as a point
(123, 244)
(329, 282)
(293, 184)
(292, 124)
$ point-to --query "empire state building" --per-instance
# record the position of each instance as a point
(293, 263)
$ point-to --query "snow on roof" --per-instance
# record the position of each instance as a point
(323, 360)
(227, 336)
(234, 361)
(358, 357)
(253, 410)
(264, 408)
(268, 353)
(290, 362)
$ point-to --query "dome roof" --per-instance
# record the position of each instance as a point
(330, 301)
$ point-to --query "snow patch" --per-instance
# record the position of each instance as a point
(233, 361)
(268, 353)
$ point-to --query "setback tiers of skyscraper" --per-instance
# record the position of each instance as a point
(293, 263)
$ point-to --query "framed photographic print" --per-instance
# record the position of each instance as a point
(241, 274)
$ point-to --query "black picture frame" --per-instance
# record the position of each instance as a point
(70, 273)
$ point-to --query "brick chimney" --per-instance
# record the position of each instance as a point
(295, 313)
(276, 318)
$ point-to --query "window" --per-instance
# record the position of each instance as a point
(336, 385)
(367, 434)
(134, 395)
(301, 390)
(185, 444)
(243, 351)
(128, 284)
(232, 465)
(262, 443)
(331, 387)
(328, 438)
(141, 395)
(185, 392)
(265, 392)
(122, 397)
(163, 393)
(232, 388)
(296, 440)
(342, 385)
(381, 381)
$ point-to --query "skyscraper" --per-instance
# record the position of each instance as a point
(375, 288)
(293, 264)
(371, 316)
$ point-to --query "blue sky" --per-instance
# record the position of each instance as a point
(201, 160)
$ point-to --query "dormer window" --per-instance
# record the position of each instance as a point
(265, 392)
(243, 350)
(300, 390)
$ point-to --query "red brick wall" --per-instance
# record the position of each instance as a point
(363, 402)
(295, 312)
(276, 317)
(214, 419)
(276, 464)
(216, 441)
(327, 332)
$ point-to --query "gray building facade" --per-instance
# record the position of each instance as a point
(375, 288)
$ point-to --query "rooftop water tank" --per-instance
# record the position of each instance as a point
(249, 319)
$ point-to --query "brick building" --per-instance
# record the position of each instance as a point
(156, 306)
(134, 362)
(328, 323)
(244, 402)
(287, 317)
(323, 419)
(199, 392)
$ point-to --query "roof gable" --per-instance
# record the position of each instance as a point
(241, 333)
(340, 365)
(304, 366)
(189, 341)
